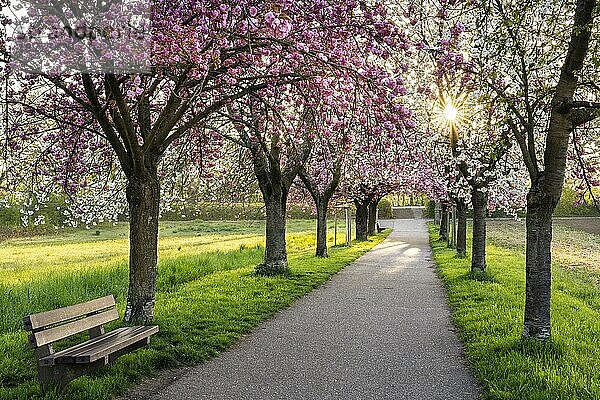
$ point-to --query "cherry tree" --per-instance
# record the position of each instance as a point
(320, 177)
(516, 51)
(542, 99)
(530, 55)
(200, 57)
(333, 138)
(281, 125)
(362, 112)
(276, 134)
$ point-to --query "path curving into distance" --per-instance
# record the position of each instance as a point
(380, 329)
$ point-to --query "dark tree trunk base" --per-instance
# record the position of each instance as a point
(272, 269)
(538, 264)
(372, 224)
(362, 215)
(143, 196)
(275, 245)
(532, 330)
(322, 228)
(478, 261)
(444, 224)
(461, 235)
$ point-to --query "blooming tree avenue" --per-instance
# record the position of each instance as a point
(203, 56)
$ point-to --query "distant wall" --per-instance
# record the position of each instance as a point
(408, 212)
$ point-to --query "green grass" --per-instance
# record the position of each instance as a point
(488, 309)
(207, 294)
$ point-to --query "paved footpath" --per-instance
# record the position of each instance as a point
(380, 329)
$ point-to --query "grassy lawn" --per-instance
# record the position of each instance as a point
(207, 296)
(488, 309)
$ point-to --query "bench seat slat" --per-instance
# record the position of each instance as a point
(50, 360)
(116, 343)
(94, 344)
(101, 346)
(41, 320)
(71, 328)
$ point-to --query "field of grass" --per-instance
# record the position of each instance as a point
(207, 295)
(488, 309)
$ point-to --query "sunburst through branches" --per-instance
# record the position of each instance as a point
(452, 112)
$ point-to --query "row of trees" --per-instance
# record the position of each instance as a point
(463, 101)
(302, 87)
(515, 85)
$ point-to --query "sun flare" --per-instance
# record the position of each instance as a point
(450, 112)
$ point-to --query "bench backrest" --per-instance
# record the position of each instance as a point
(50, 326)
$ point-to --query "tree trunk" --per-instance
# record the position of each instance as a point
(461, 235)
(372, 223)
(537, 265)
(362, 212)
(444, 223)
(547, 185)
(479, 200)
(321, 205)
(321, 200)
(143, 197)
(274, 186)
(275, 245)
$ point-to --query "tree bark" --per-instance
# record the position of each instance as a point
(444, 223)
(321, 199)
(274, 191)
(546, 186)
(461, 235)
(538, 263)
(275, 244)
(321, 205)
(362, 215)
(372, 218)
(479, 200)
(274, 182)
(143, 197)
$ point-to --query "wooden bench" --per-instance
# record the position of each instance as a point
(380, 228)
(56, 369)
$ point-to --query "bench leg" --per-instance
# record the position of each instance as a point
(56, 377)
(52, 378)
